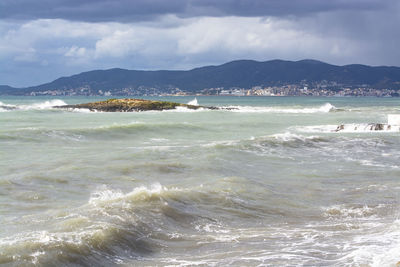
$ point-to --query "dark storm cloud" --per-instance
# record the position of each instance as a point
(89, 10)
(280, 7)
(41, 40)
(137, 10)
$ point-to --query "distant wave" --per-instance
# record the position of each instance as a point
(317, 148)
(44, 105)
(107, 131)
(348, 128)
(139, 127)
(6, 107)
(40, 105)
(327, 107)
(288, 137)
(182, 109)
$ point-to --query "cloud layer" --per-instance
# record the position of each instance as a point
(52, 38)
(138, 10)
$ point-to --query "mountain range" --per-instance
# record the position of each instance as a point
(240, 73)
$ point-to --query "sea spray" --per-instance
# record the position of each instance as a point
(43, 105)
(39, 105)
(193, 102)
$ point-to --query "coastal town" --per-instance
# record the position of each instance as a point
(318, 89)
(296, 90)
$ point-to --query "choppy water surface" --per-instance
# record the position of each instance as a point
(267, 184)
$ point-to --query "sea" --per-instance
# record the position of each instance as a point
(268, 182)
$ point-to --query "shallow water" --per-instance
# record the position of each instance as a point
(269, 183)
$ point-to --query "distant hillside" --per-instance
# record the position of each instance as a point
(5, 90)
(241, 73)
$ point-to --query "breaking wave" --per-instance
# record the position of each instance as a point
(154, 224)
(349, 128)
(116, 227)
(6, 107)
(41, 105)
(327, 107)
(181, 109)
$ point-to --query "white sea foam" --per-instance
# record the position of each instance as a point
(6, 107)
(104, 195)
(221, 143)
(47, 238)
(327, 107)
(212, 228)
(347, 128)
(287, 136)
(172, 262)
(83, 110)
(379, 165)
(43, 105)
(381, 248)
(63, 135)
(346, 212)
(180, 109)
(316, 128)
(369, 188)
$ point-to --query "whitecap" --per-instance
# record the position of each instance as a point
(6, 107)
(348, 212)
(41, 105)
(181, 109)
(287, 137)
(348, 128)
(83, 110)
(327, 107)
(316, 128)
(104, 195)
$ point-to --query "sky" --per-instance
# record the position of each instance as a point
(42, 40)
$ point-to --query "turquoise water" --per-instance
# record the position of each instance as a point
(268, 183)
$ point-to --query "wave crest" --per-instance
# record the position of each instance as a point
(349, 128)
(40, 105)
(325, 108)
(141, 193)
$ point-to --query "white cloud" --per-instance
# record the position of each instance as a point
(71, 47)
(118, 44)
(75, 51)
(230, 37)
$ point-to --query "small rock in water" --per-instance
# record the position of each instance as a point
(130, 105)
(379, 127)
(339, 128)
(370, 126)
